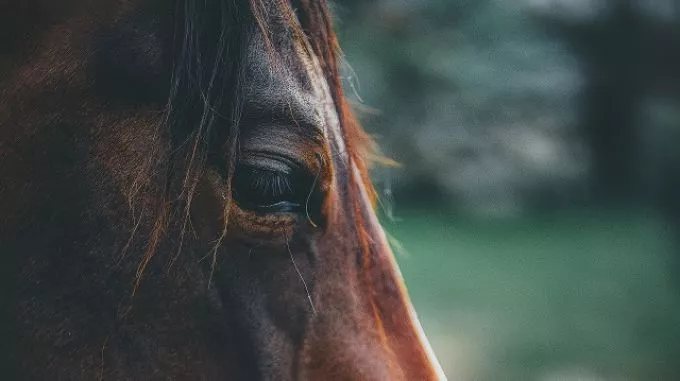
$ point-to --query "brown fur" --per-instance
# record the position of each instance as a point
(126, 256)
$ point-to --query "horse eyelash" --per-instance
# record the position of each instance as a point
(276, 183)
(269, 183)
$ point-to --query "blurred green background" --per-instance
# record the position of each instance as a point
(536, 214)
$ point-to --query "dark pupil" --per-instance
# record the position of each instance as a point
(266, 190)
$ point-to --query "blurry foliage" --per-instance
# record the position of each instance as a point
(471, 96)
(499, 106)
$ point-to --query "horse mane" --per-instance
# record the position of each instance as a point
(210, 74)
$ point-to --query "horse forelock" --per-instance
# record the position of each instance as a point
(210, 48)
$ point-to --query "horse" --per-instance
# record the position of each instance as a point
(184, 194)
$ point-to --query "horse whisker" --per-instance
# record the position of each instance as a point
(297, 270)
(309, 196)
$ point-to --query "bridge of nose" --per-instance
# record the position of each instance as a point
(375, 319)
(364, 327)
(398, 320)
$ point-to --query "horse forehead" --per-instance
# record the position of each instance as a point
(277, 73)
(287, 79)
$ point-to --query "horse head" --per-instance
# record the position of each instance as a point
(185, 195)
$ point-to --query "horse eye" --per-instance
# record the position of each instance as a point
(265, 190)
